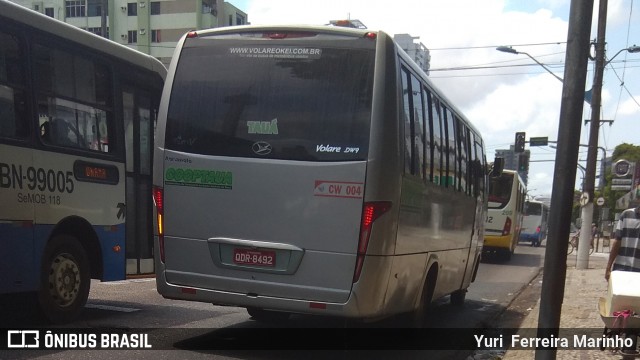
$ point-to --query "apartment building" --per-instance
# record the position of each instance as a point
(152, 27)
(416, 50)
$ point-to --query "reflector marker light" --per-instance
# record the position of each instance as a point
(158, 200)
(316, 305)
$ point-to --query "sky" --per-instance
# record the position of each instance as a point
(500, 93)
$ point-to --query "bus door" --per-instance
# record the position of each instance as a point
(139, 123)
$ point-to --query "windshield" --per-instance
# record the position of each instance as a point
(278, 99)
(532, 209)
(500, 191)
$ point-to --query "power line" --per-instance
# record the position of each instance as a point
(494, 46)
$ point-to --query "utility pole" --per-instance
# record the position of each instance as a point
(564, 175)
(582, 262)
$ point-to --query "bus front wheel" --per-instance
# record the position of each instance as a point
(64, 279)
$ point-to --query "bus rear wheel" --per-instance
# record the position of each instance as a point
(64, 279)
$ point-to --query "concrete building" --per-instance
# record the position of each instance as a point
(516, 161)
(152, 27)
(416, 50)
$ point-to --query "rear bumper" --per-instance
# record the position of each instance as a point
(501, 242)
(365, 299)
(529, 237)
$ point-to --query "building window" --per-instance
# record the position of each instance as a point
(48, 11)
(155, 36)
(132, 9)
(95, 8)
(207, 8)
(155, 8)
(75, 9)
(97, 31)
(240, 20)
(132, 37)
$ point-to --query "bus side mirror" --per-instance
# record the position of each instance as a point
(498, 166)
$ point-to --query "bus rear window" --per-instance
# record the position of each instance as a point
(296, 100)
(532, 209)
(500, 191)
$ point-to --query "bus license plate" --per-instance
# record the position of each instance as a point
(254, 257)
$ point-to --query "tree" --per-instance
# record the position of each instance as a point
(626, 151)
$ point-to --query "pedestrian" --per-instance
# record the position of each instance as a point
(625, 246)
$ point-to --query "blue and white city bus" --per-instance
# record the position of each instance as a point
(534, 222)
(77, 115)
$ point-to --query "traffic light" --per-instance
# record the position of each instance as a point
(520, 140)
(523, 163)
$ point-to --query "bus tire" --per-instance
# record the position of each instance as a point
(267, 316)
(64, 279)
(458, 297)
(506, 254)
(420, 315)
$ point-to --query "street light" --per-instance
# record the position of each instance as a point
(604, 158)
(631, 49)
(510, 50)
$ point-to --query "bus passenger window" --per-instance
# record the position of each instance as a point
(78, 105)
(408, 129)
(12, 96)
(418, 128)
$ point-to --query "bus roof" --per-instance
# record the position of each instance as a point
(337, 30)
(36, 20)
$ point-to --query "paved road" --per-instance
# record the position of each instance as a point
(134, 304)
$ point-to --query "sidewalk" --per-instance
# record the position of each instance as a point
(582, 290)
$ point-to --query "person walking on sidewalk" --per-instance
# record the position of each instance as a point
(625, 247)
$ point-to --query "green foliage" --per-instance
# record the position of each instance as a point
(626, 151)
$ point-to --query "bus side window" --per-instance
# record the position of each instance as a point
(462, 156)
(13, 102)
(448, 144)
(408, 137)
(73, 94)
(428, 156)
(438, 163)
(418, 128)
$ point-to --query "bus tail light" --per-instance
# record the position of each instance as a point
(370, 212)
(538, 230)
(158, 200)
(506, 230)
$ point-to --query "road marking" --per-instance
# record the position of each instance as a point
(130, 281)
(111, 308)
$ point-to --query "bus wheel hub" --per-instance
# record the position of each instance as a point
(64, 280)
